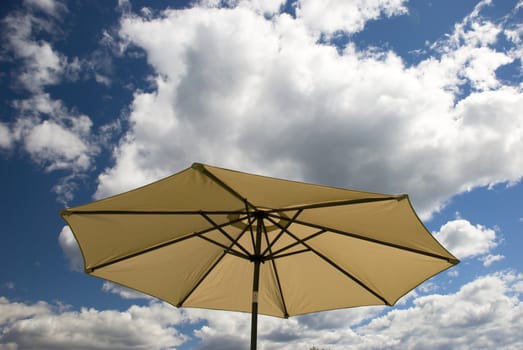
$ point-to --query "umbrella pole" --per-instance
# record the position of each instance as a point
(255, 283)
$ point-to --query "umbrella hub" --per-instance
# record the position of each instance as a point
(256, 217)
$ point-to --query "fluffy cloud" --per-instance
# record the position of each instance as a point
(53, 135)
(236, 89)
(465, 240)
(483, 313)
(46, 326)
(489, 306)
(50, 141)
(468, 55)
(41, 64)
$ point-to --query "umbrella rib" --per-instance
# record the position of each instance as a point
(377, 241)
(348, 274)
(225, 252)
(222, 231)
(68, 212)
(339, 268)
(159, 246)
(250, 218)
(184, 299)
(273, 263)
(201, 168)
(339, 203)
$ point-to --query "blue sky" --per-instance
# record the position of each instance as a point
(417, 97)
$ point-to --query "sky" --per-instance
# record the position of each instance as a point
(394, 96)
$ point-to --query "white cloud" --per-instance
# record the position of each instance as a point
(50, 142)
(71, 249)
(490, 259)
(465, 240)
(482, 314)
(6, 139)
(489, 306)
(469, 54)
(268, 98)
(45, 326)
(41, 64)
(55, 136)
(328, 17)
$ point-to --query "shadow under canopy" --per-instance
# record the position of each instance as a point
(214, 238)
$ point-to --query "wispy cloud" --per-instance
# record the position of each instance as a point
(56, 136)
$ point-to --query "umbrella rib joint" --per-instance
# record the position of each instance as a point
(223, 232)
(257, 256)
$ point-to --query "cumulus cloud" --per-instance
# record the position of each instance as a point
(490, 306)
(47, 326)
(482, 314)
(53, 135)
(466, 240)
(237, 89)
(50, 141)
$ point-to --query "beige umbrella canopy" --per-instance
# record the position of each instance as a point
(214, 238)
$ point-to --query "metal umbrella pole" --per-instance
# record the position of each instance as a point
(256, 279)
